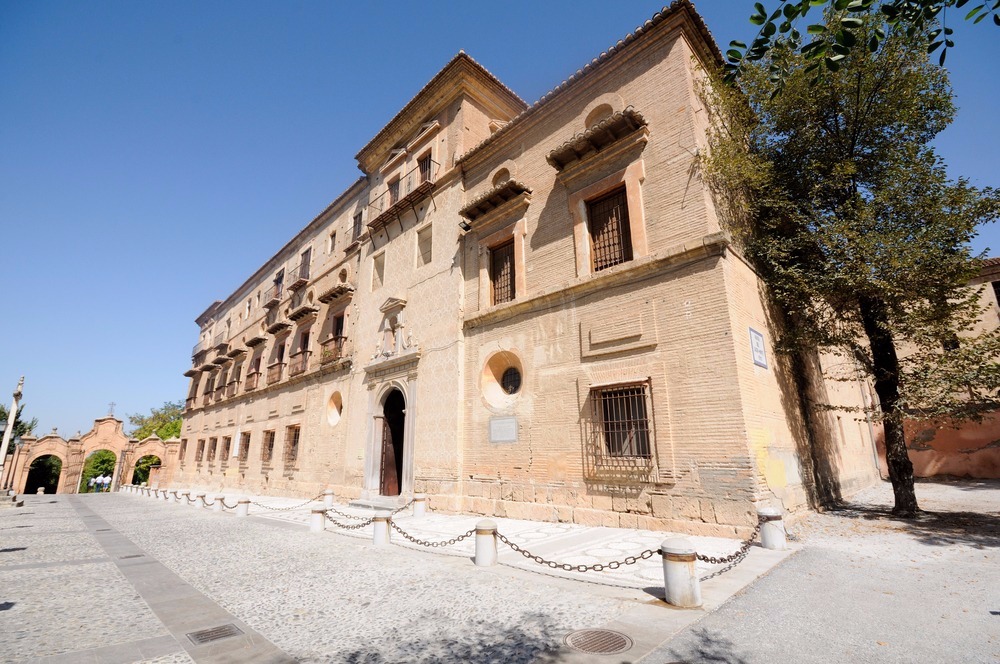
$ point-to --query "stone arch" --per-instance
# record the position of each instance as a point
(21, 484)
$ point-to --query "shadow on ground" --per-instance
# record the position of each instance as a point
(708, 646)
(980, 530)
(486, 643)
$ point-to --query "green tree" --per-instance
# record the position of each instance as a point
(21, 427)
(826, 43)
(840, 202)
(165, 421)
(100, 463)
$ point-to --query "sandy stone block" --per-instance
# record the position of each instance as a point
(474, 489)
(564, 514)
(610, 519)
(732, 512)
(517, 493)
(586, 517)
(494, 491)
(662, 506)
(628, 520)
(707, 510)
(506, 491)
(602, 502)
(542, 495)
(640, 504)
(541, 513)
(514, 509)
(687, 508)
(619, 503)
(483, 505)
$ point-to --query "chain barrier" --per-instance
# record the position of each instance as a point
(596, 567)
(227, 506)
(191, 500)
(209, 504)
(415, 540)
(288, 509)
(345, 515)
(400, 509)
(738, 555)
(348, 526)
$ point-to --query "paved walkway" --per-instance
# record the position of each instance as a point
(125, 578)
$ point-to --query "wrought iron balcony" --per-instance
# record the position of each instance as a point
(220, 343)
(333, 350)
(199, 347)
(275, 372)
(299, 363)
(275, 322)
(272, 296)
(403, 193)
(299, 276)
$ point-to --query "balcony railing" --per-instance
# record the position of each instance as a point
(232, 388)
(219, 342)
(400, 194)
(299, 363)
(275, 372)
(333, 350)
(199, 347)
(298, 276)
(272, 295)
(253, 378)
(206, 398)
(275, 322)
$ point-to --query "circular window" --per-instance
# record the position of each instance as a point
(334, 408)
(511, 380)
(501, 379)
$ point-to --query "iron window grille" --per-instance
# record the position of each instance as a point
(200, 451)
(425, 167)
(610, 235)
(621, 421)
(212, 442)
(267, 449)
(502, 272)
(227, 445)
(291, 445)
(244, 447)
(511, 380)
(356, 227)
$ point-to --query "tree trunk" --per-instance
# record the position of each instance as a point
(885, 366)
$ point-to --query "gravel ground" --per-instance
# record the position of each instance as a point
(870, 588)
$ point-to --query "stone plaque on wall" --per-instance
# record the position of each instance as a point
(503, 429)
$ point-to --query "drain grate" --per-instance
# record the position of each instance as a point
(132, 555)
(598, 641)
(204, 636)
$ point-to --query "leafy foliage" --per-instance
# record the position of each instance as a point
(165, 421)
(100, 463)
(142, 466)
(21, 427)
(845, 210)
(827, 43)
(44, 472)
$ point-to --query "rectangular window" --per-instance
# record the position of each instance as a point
(502, 272)
(356, 228)
(267, 449)
(378, 271)
(199, 453)
(424, 246)
(279, 280)
(212, 442)
(338, 325)
(610, 236)
(244, 447)
(291, 445)
(227, 445)
(424, 163)
(331, 242)
(183, 451)
(394, 192)
(620, 420)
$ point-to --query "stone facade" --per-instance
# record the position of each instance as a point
(521, 311)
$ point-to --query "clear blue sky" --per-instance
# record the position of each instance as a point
(154, 154)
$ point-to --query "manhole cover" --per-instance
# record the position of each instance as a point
(598, 641)
(214, 634)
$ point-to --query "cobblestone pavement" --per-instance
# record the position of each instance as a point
(870, 588)
(330, 597)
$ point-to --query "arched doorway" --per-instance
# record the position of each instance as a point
(142, 467)
(393, 421)
(99, 463)
(44, 473)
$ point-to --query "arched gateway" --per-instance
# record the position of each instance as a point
(106, 434)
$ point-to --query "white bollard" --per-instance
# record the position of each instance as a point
(243, 507)
(380, 534)
(217, 505)
(328, 498)
(317, 520)
(41, 490)
(199, 500)
(680, 576)
(419, 504)
(486, 543)
(772, 528)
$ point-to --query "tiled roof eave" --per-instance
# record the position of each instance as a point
(493, 199)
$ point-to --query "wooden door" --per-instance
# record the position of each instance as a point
(390, 482)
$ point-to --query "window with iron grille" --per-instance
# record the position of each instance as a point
(620, 420)
(378, 271)
(502, 272)
(227, 444)
(267, 449)
(199, 453)
(394, 192)
(212, 442)
(183, 451)
(511, 380)
(424, 163)
(291, 445)
(244, 446)
(610, 236)
(356, 227)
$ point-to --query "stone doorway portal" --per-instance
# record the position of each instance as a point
(393, 421)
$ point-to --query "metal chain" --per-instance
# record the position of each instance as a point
(738, 554)
(227, 506)
(597, 567)
(347, 526)
(288, 509)
(400, 509)
(191, 500)
(344, 514)
(453, 540)
(209, 504)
